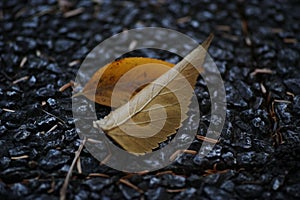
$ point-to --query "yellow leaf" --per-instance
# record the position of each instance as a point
(158, 110)
(111, 73)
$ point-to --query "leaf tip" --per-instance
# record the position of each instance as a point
(208, 40)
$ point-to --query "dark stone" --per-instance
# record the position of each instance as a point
(233, 97)
(284, 112)
(258, 102)
(52, 103)
(215, 152)
(74, 36)
(189, 193)
(249, 190)
(244, 90)
(212, 179)
(40, 197)
(243, 140)
(26, 44)
(261, 158)
(81, 53)
(13, 95)
(277, 182)
(89, 165)
(15, 117)
(4, 162)
(32, 110)
(293, 190)
(293, 85)
(46, 122)
(156, 194)
(228, 158)
(32, 81)
(62, 45)
(2, 130)
(194, 181)
(97, 184)
(257, 122)
(296, 104)
(82, 194)
(14, 174)
(46, 92)
(53, 67)
(22, 135)
(129, 193)
(173, 181)
(246, 158)
(31, 23)
(215, 193)
(70, 135)
(200, 161)
(5, 193)
(19, 151)
(54, 159)
(228, 186)
(154, 182)
(19, 190)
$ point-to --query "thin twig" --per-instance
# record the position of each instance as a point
(8, 110)
(107, 157)
(78, 165)
(104, 161)
(206, 139)
(73, 63)
(65, 86)
(98, 175)
(290, 40)
(142, 172)
(23, 61)
(64, 5)
(261, 71)
(291, 94)
(6, 76)
(93, 141)
(43, 103)
(126, 182)
(53, 116)
(281, 101)
(164, 172)
(214, 170)
(19, 157)
(223, 28)
(63, 190)
(52, 186)
(183, 20)
(175, 190)
(53, 128)
(263, 88)
(20, 79)
(276, 30)
(181, 151)
(73, 13)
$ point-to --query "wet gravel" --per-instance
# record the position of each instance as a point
(257, 157)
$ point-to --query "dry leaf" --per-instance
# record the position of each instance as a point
(158, 110)
(110, 74)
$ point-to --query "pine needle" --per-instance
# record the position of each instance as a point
(63, 190)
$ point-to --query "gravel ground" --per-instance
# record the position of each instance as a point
(43, 44)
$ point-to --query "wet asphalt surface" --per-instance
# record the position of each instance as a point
(43, 44)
